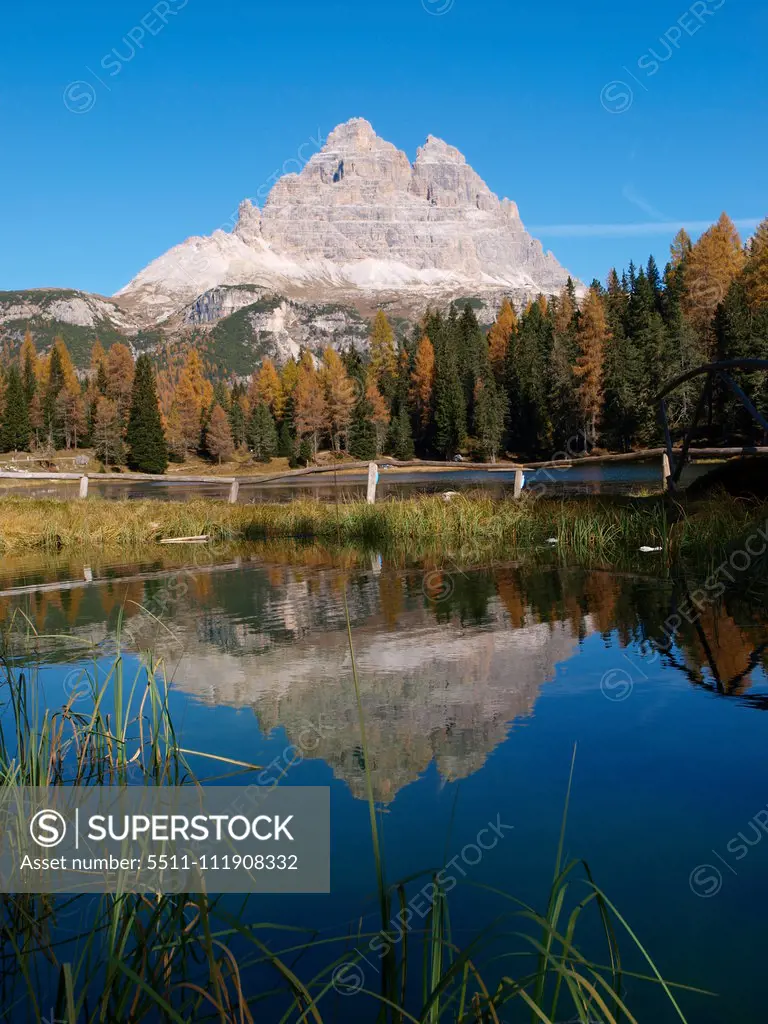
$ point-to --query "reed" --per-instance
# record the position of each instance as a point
(584, 528)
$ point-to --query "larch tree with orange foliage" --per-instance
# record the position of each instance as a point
(192, 400)
(340, 397)
(309, 408)
(756, 268)
(108, 432)
(120, 370)
(218, 438)
(383, 352)
(592, 336)
(59, 385)
(711, 266)
(380, 414)
(289, 378)
(500, 336)
(267, 387)
(423, 382)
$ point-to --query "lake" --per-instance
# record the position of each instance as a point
(476, 683)
(618, 478)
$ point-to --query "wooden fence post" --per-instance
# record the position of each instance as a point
(234, 490)
(519, 481)
(373, 479)
(83, 486)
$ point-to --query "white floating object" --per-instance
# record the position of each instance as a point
(649, 551)
(552, 540)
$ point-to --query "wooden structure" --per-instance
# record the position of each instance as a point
(370, 470)
(713, 373)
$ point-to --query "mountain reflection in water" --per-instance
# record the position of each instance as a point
(448, 660)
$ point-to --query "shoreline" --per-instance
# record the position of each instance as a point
(609, 528)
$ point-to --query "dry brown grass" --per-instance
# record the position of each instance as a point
(590, 527)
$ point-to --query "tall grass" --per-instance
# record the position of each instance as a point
(583, 528)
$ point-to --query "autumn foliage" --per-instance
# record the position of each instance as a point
(563, 373)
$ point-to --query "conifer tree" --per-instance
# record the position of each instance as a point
(237, 418)
(562, 406)
(363, 443)
(221, 395)
(55, 383)
(591, 337)
(683, 352)
(108, 433)
(340, 397)
(624, 370)
(174, 435)
(15, 431)
(189, 415)
(304, 455)
(449, 402)
(120, 371)
(472, 356)
(289, 378)
(193, 398)
(262, 433)
(756, 269)
(490, 414)
(353, 364)
(98, 357)
(680, 248)
(218, 438)
(742, 333)
(102, 380)
(383, 353)
(423, 386)
(654, 282)
(380, 414)
(500, 336)
(528, 359)
(286, 440)
(70, 412)
(310, 412)
(266, 386)
(147, 448)
(29, 368)
(710, 268)
(648, 346)
(400, 439)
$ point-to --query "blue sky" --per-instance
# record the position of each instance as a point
(597, 114)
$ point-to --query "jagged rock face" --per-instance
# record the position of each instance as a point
(361, 224)
(360, 199)
(218, 303)
(61, 305)
(271, 325)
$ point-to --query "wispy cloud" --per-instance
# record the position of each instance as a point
(633, 196)
(647, 228)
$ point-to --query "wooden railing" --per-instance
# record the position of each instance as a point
(714, 373)
(372, 470)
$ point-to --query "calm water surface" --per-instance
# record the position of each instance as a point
(476, 684)
(622, 478)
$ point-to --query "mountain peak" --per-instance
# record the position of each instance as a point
(355, 132)
(359, 223)
(437, 151)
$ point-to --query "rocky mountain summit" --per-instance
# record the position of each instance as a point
(359, 225)
(360, 228)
